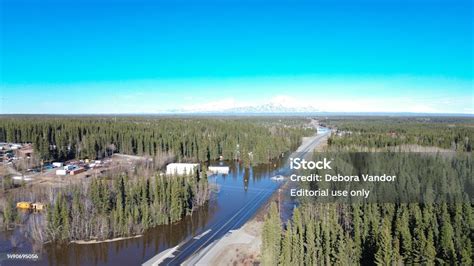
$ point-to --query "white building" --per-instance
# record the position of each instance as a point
(15, 146)
(181, 168)
(58, 164)
(61, 172)
(219, 169)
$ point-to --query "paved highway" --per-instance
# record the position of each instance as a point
(218, 230)
(180, 253)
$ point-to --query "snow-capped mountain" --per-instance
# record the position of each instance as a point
(269, 108)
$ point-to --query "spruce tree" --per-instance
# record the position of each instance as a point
(383, 255)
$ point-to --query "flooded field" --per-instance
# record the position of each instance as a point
(240, 186)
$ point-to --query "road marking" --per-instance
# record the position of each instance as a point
(203, 234)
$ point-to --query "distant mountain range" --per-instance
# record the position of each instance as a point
(272, 109)
(269, 108)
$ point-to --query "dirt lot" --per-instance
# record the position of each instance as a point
(242, 246)
(46, 179)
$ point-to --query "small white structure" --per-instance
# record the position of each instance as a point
(22, 178)
(61, 172)
(58, 164)
(70, 167)
(181, 168)
(219, 169)
(278, 178)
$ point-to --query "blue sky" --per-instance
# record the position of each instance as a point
(152, 56)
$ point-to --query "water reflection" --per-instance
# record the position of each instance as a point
(235, 189)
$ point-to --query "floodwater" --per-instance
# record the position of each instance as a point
(235, 190)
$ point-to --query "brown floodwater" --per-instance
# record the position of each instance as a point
(235, 189)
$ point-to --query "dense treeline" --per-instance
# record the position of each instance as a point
(128, 203)
(104, 209)
(367, 234)
(447, 133)
(425, 217)
(430, 229)
(61, 138)
(419, 177)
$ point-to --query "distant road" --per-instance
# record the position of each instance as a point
(180, 253)
(312, 143)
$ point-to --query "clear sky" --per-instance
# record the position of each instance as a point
(143, 56)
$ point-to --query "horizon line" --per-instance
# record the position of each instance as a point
(262, 114)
